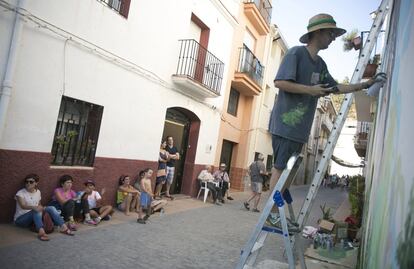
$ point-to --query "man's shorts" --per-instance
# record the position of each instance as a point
(257, 187)
(170, 174)
(283, 149)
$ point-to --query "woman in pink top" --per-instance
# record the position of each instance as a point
(65, 198)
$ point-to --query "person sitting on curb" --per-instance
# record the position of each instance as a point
(146, 195)
(29, 209)
(97, 210)
(206, 176)
(127, 196)
(66, 200)
(256, 170)
(223, 178)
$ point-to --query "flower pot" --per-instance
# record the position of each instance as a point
(357, 43)
(370, 70)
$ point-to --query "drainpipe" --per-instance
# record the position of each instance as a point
(7, 84)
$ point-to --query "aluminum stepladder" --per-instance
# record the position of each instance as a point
(280, 193)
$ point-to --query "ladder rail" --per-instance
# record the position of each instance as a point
(343, 112)
(285, 176)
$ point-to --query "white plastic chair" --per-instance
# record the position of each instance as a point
(203, 186)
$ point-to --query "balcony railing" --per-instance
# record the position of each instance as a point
(197, 63)
(114, 4)
(249, 64)
(264, 7)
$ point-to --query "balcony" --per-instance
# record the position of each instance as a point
(259, 13)
(199, 72)
(361, 137)
(249, 74)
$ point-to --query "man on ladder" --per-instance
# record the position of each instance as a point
(302, 78)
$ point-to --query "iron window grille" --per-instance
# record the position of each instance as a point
(198, 64)
(76, 134)
(120, 6)
(249, 64)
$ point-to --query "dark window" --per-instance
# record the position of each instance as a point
(120, 6)
(226, 153)
(233, 102)
(77, 132)
(269, 162)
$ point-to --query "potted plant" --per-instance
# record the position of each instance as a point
(352, 41)
(356, 199)
(372, 66)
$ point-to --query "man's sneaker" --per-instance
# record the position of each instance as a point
(246, 205)
(141, 221)
(255, 210)
(90, 222)
(229, 198)
(217, 203)
(274, 221)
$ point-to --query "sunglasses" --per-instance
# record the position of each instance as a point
(30, 181)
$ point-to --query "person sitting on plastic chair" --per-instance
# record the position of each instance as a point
(205, 177)
(223, 178)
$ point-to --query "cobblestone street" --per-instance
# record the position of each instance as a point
(207, 237)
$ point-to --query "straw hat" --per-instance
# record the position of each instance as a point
(321, 21)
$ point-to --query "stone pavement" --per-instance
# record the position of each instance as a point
(190, 235)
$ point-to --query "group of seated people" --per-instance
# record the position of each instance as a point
(138, 197)
(217, 182)
(66, 204)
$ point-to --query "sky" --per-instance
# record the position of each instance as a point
(292, 16)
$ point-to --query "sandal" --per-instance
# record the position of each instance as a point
(67, 232)
(170, 197)
(43, 237)
(141, 221)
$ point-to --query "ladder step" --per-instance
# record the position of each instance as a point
(257, 246)
(275, 230)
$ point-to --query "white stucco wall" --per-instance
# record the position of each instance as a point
(134, 105)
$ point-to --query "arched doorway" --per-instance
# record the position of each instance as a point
(183, 125)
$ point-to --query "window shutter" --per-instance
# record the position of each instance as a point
(125, 8)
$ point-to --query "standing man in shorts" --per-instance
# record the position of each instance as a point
(302, 78)
(173, 155)
(256, 170)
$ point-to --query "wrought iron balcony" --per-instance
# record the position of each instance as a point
(361, 137)
(198, 70)
(249, 74)
(259, 12)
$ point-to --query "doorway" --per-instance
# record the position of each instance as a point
(226, 153)
(183, 125)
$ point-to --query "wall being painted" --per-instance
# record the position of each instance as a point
(388, 240)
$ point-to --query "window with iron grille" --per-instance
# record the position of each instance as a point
(233, 102)
(76, 134)
(120, 6)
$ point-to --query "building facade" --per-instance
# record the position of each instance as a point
(246, 89)
(93, 91)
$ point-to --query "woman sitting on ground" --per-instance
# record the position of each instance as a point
(97, 210)
(65, 198)
(127, 196)
(29, 209)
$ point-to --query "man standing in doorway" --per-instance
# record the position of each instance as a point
(172, 157)
(302, 78)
